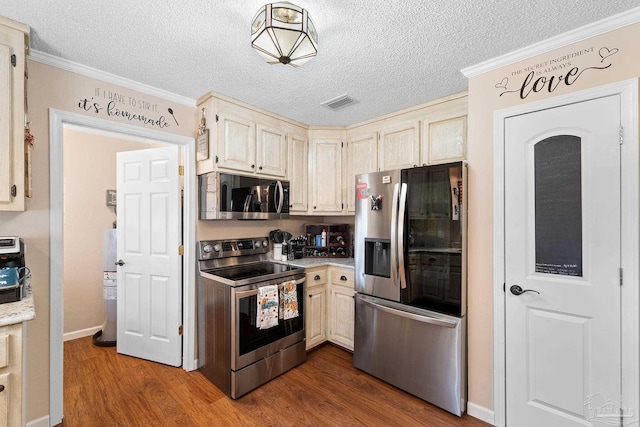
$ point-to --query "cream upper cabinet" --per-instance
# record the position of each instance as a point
(325, 166)
(341, 307)
(298, 173)
(444, 140)
(13, 45)
(236, 143)
(444, 132)
(245, 139)
(271, 150)
(247, 146)
(399, 145)
(361, 157)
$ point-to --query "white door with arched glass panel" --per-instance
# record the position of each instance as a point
(562, 265)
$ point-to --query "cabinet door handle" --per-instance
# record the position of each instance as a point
(343, 278)
(253, 166)
(1, 388)
(260, 168)
(317, 277)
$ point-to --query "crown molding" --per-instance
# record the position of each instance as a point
(94, 73)
(611, 23)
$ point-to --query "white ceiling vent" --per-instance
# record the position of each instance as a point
(339, 102)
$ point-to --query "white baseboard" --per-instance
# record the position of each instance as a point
(81, 333)
(480, 412)
(40, 422)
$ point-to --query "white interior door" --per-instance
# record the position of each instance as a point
(562, 241)
(149, 238)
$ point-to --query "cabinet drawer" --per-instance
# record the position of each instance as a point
(316, 277)
(342, 277)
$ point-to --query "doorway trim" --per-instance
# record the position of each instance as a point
(630, 248)
(57, 121)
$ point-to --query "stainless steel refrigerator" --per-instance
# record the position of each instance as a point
(410, 281)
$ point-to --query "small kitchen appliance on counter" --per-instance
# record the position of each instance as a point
(13, 271)
(250, 314)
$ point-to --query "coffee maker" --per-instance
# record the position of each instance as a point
(12, 256)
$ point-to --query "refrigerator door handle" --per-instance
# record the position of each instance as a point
(403, 205)
(394, 234)
(424, 319)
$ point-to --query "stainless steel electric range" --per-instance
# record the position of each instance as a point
(250, 314)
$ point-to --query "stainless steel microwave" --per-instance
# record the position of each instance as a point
(229, 196)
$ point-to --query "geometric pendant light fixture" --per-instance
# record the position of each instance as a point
(283, 33)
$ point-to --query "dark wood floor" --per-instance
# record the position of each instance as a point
(102, 388)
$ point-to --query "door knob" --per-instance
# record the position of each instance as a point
(120, 262)
(517, 290)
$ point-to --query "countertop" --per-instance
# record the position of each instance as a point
(17, 312)
(320, 262)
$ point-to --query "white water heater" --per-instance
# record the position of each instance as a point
(108, 335)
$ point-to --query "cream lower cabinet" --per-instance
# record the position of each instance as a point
(11, 375)
(316, 306)
(330, 306)
(341, 307)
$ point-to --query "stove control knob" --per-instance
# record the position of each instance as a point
(207, 248)
(265, 243)
(217, 247)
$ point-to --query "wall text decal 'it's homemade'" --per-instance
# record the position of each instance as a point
(548, 75)
(115, 104)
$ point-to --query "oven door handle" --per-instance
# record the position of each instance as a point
(244, 294)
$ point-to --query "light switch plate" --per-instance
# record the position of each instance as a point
(111, 197)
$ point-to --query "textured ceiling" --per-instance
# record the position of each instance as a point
(386, 54)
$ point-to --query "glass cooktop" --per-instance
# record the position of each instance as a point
(248, 271)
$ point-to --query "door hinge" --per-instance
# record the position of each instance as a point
(216, 159)
(621, 134)
(181, 250)
(180, 330)
(181, 170)
(620, 275)
(14, 60)
(217, 118)
(14, 191)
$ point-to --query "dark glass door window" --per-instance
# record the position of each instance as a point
(558, 205)
(433, 238)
